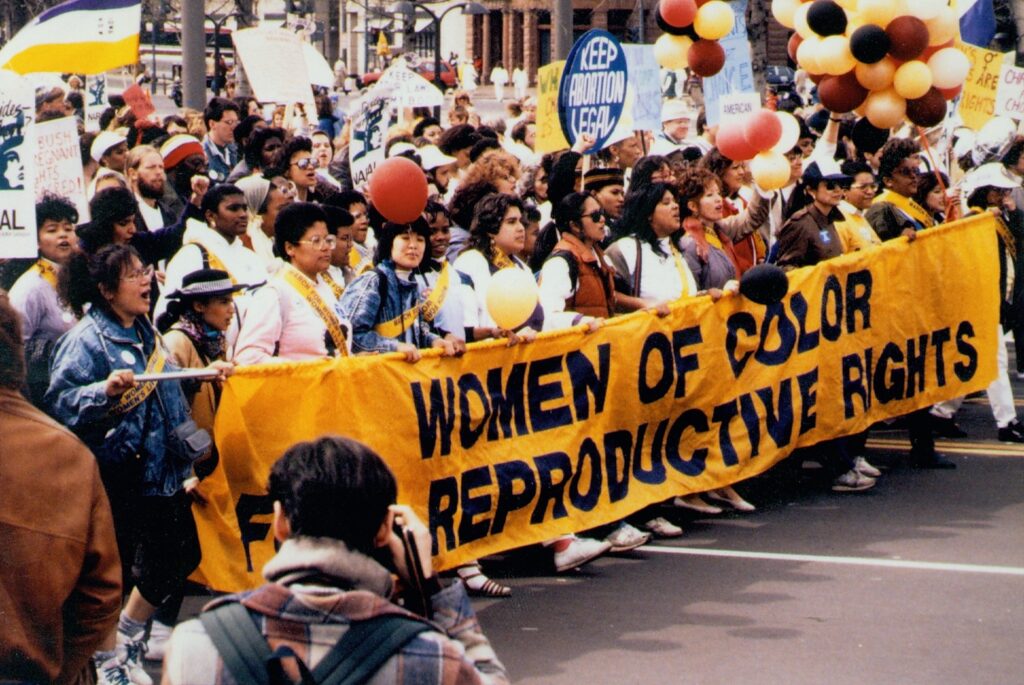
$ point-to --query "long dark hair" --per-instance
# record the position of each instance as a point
(641, 202)
(390, 230)
(79, 281)
(106, 208)
(569, 210)
(487, 218)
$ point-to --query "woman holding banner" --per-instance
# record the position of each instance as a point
(293, 317)
(139, 430)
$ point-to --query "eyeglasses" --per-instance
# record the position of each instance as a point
(286, 188)
(595, 216)
(864, 186)
(307, 163)
(909, 172)
(321, 242)
(834, 185)
(143, 275)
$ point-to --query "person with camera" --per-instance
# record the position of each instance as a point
(330, 585)
(140, 431)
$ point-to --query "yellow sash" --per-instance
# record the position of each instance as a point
(357, 263)
(428, 309)
(46, 271)
(907, 206)
(502, 260)
(215, 262)
(681, 268)
(335, 287)
(712, 237)
(1001, 229)
(307, 290)
(138, 394)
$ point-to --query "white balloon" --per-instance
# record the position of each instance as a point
(790, 133)
(924, 9)
(949, 68)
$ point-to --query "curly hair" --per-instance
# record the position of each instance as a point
(490, 212)
(893, 153)
(693, 185)
(493, 167)
(465, 199)
(78, 283)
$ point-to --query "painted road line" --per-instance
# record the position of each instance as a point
(984, 400)
(995, 449)
(843, 561)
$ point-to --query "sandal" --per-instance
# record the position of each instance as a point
(479, 585)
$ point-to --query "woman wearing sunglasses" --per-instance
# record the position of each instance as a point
(293, 317)
(298, 165)
(810, 235)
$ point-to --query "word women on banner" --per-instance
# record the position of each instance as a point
(592, 92)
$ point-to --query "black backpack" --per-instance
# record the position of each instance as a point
(357, 656)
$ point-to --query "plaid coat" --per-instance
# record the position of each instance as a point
(310, 616)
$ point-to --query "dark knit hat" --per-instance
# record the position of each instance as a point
(595, 179)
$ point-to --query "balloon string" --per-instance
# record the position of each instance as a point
(950, 204)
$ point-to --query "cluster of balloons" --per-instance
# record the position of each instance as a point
(692, 29)
(763, 138)
(887, 60)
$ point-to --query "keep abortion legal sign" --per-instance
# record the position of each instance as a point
(592, 93)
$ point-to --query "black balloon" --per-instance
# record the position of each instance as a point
(826, 18)
(665, 26)
(869, 44)
(868, 139)
(764, 284)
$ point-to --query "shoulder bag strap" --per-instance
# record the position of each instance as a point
(243, 649)
(364, 648)
(637, 268)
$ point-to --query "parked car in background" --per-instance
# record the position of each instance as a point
(424, 68)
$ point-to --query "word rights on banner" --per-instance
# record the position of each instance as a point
(505, 447)
(592, 92)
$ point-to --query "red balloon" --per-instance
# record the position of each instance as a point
(951, 93)
(762, 130)
(909, 37)
(706, 58)
(398, 189)
(678, 13)
(794, 43)
(732, 142)
(842, 94)
(927, 111)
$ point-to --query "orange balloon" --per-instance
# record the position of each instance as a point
(885, 108)
(876, 76)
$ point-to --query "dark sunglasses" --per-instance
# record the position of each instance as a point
(595, 216)
(835, 185)
(907, 171)
(307, 163)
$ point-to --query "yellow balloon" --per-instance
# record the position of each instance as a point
(808, 55)
(876, 76)
(885, 108)
(714, 20)
(848, 5)
(835, 57)
(912, 80)
(770, 170)
(879, 12)
(783, 10)
(800, 21)
(512, 296)
(942, 28)
(670, 51)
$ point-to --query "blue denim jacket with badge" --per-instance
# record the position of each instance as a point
(82, 360)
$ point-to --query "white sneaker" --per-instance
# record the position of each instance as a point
(663, 528)
(852, 481)
(861, 465)
(579, 552)
(112, 672)
(130, 651)
(156, 645)
(695, 503)
(625, 537)
(729, 496)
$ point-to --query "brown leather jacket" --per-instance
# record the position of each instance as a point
(60, 573)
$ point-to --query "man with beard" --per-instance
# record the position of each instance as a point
(147, 180)
(183, 160)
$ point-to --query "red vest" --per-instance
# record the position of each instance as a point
(595, 289)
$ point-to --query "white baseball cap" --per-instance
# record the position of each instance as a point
(672, 110)
(431, 157)
(103, 142)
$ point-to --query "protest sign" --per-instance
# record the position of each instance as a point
(549, 128)
(371, 118)
(645, 86)
(507, 447)
(737, 76)
(738, 105)
(274, 64)
(978, 99)
(410, 89)
(1010, 93)
(592, 92)
(95, 100)
(58, 163)
(139, 101)
(17, 197)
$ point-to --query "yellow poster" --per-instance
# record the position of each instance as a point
(506, 447)
(978, 100)
(549, 129)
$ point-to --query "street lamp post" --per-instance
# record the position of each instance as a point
(217, 24)
(468, 8)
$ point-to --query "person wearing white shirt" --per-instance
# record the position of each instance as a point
(265, 199)
(293, 317)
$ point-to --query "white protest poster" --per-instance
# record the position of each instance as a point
(95, 100)
(737, 76)
(644, 86)
(1010, 95)
(58, 163)
(320, 72)
(275, 64)
(737, 105)
(17, 199)
(371, 117)
(409, 88)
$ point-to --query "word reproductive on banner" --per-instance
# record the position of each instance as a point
(511, 446)
(592, 92)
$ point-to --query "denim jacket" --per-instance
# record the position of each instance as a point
(83, 359)
(360, 304)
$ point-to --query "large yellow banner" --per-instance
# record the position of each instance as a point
(510, 446)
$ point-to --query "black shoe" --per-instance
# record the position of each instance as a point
(932, 460)
(1013, 432)
(947, 428)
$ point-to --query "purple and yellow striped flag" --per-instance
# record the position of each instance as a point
(78, 36)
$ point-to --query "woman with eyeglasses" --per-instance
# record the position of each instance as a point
(293, 317)
(855, 232)
(895, 213)
(135, 430)
(297, 163)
